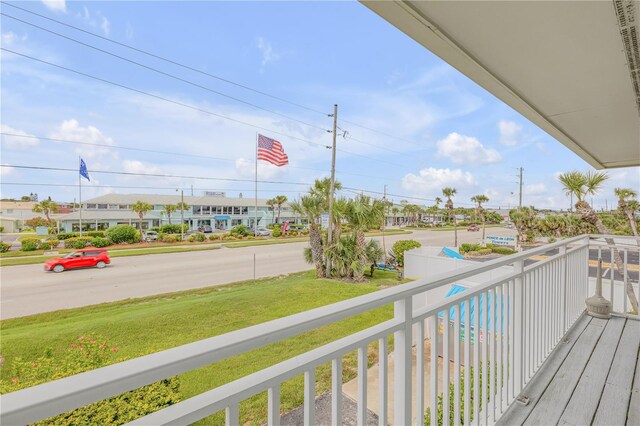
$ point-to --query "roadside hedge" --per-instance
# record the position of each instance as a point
(65, 235)
(78, 242)
(101, 242)
(30, 244)
(83, 354)
(123, 234)
(94, 234)
(169, 238)
(172, 229)
(240, 231)
(199, 237)
(400, 247)
(4, 247)
(503, 250)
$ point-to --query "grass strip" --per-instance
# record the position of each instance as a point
(146, 325)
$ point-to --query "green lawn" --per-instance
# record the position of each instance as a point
(142, 326)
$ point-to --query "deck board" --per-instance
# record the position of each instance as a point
(517, 414)
(584, 401)
(633, 417)
(614, 404)
(557, 395)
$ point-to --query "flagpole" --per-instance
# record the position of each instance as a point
(255, 213)
(80, 192)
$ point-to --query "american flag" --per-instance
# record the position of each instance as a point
(271, 150)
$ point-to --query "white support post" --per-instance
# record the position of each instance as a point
(362, 386)
(274, 406)
(336, 391)
(309, 397)
(518, 326)
(382, 382)
(402, 368)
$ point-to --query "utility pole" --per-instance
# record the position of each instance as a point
(333, 180)
(520, 202)
(181, 214)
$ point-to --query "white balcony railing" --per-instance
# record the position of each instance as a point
(504, 328)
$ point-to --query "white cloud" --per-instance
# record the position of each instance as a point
(432, 179)
(9, 141)
(535, 189)
(72, 131)
(135, 166)
(56, 5)
(463, 149)
(510, 132)
(268, 54)
(129, 31)
(105, 25)
(247, 169)
(7, 170)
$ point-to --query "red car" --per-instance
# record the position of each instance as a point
(473, 228)
(84, 258)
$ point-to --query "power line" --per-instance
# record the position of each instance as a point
(190, 106)
(171, 61)
(190, 68)
(172, 153)
(168, 75)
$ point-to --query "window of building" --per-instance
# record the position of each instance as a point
(245, 210)
(236, 210)
(235, 222)
(123, 207)
(102, 206)
(113, 207)
(91, 206)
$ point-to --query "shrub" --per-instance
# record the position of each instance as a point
(276, 233)
(1, 228)
(274, 226)
(94, 234)
(215, 237)
(240, 231)
(49, 244)
(466, 248)
(4, 247)
(551, 240)
(199, 237)
(228, 237)
(78, 242)
(30, 244)
(65, 235)
(484, 251)
(401, 246)
(168, 238)
(191, 238)
(155, 228)
(101, 242)
(250, 237)
(34, 222)
(123, 234)
(304, 232)
(503, 250)
(292, 233)
(87, 353)
(172, 229)
(27, 230)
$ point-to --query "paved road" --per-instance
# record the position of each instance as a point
(27, 289)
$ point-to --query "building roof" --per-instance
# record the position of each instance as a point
(174, 199)
(570, 67)
(89, 215)
(17, 205)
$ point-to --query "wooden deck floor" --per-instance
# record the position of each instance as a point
(592, 377)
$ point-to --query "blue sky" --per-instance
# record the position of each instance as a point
(447, 130)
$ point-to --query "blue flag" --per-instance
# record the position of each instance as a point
(83, 170)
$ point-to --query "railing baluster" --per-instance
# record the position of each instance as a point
(476, 359)
(433, 377)
(467, 361)
(420, 370)
(309, 397)
(484, 400)
(382, 383)
(518, 373)
(232, 415)
(457, 397)
(528, 324)
(274, 406)
(491, 334)
(402, 368)
(362, 386)
(611, 272)
(499, 329)
(505, 345)
(336, 389)
(512, 345)
(446, 366)
(625, 278)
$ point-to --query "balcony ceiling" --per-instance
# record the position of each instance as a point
(564, 65)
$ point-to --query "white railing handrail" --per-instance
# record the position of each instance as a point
(59, 396)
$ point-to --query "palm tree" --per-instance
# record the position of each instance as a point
(623, 195)
(311, 207)
(280, 200)
(361, 213)
(450, 192)
(272, 203)
(479, 199)
(46, 207)
(181, 206)
(580, 185)
(142, 208)
(339, 207)
(321, 188)
(168, 209)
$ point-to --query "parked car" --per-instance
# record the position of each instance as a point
(262, 231)
(151, 236)
(84, 258)
(205, 229)
(298, 228)
(473, 228)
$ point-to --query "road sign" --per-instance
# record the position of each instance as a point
(324, 220)
(502, 241)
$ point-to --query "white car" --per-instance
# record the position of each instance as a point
(151, 236)
(262, 231)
